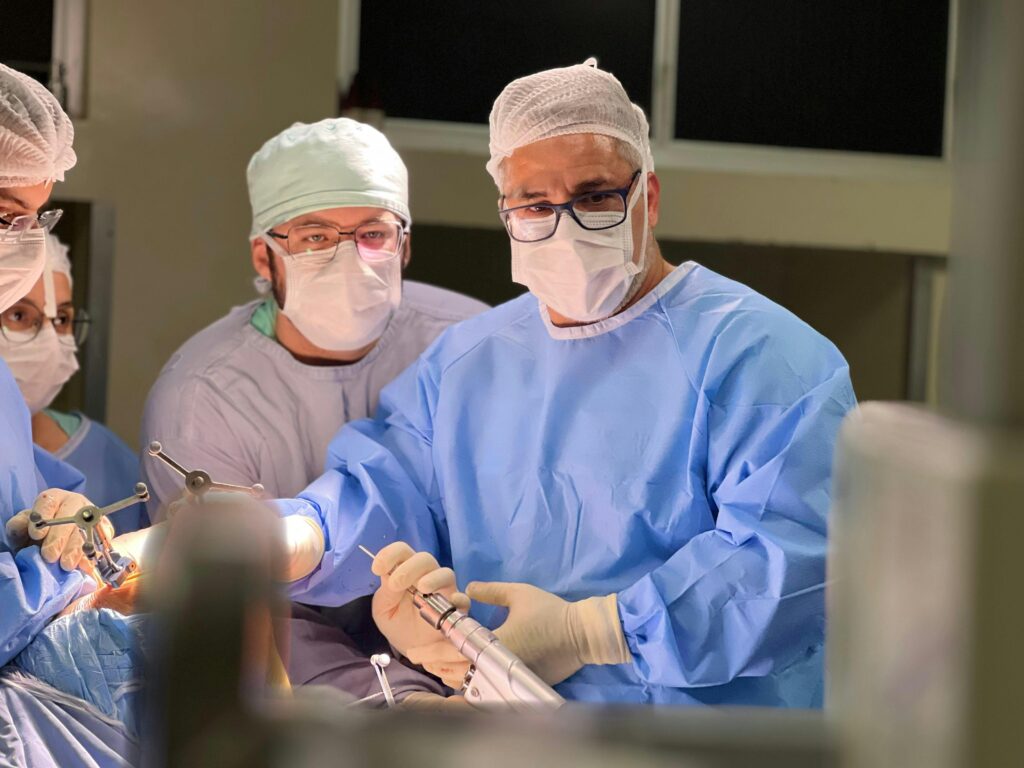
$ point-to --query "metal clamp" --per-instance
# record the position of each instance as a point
(197, 481)
(111, 566)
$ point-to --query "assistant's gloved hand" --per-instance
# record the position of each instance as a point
(552, 636)
(399, 568)
(61, 543)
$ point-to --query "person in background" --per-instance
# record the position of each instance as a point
(39, 339)
(627, 470)
(256, 396)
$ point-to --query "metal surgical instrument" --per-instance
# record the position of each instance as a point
(111, 566)
(197, 481)
(496, 675)
(380, 662)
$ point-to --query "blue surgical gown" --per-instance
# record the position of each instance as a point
(111, 470)
(678, 454)
(32, 591)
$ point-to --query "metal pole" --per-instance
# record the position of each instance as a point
(984, 372)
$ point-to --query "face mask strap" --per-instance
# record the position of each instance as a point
(643, 242)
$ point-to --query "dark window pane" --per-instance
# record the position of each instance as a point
(861, 75)
(449, 60)
(27, 43)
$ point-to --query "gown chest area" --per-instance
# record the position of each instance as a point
(587, 453)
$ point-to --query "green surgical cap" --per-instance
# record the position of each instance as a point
(335, 163)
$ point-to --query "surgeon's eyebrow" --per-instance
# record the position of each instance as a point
(588, 185)
(521, 193)
(592, 185)
(5, 195)
(313, 218)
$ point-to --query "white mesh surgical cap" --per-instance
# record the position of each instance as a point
(35, 134)
(557, 102)
(335, 163)
(57, 256)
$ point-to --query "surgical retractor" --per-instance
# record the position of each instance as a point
(112, 567)
(496, 675)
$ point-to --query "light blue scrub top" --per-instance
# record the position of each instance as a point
(110, 467)
(32, 591)
(678, 454)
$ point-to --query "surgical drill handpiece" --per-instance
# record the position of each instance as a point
(111, 566)
(198, 481)
(497, 676)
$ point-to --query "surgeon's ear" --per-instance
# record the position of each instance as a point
(407, 250)
(261, 258)
(653, 199)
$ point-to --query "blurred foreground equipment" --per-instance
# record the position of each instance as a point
(928, 526)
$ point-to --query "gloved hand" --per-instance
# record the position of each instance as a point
(399, 568)
(553, 637)
(58, 543)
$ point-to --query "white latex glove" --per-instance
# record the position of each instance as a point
(399, 568)
(303, 546)
(61, 543)
(553, 637)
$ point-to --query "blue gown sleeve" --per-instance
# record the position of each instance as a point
(379, 487)
(747, 598)
(32, 591)
(51, 472)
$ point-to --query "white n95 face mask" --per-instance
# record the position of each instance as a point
(40, 366)
(345, 304)
(21, 264)
(584, 275)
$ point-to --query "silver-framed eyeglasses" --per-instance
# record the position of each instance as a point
(376, 241)
(13, 227)
(22, 323)
(601, 209)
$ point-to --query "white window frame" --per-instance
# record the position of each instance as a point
(68, 60)
(669, 152)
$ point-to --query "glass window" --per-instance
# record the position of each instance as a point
(449, 60)
(858, 75)
(28, 39)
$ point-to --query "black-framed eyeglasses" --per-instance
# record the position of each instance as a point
(376, 241)
(602, 209)
(12, 227)
(22, 323)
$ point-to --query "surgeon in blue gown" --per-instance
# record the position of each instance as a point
(37, 578)
(627, 469)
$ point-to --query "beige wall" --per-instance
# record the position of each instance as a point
(880, 208)
(180, 94)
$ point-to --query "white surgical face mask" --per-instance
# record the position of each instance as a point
(21, 264)
(40, 366)
(584, 275)
(344, 304)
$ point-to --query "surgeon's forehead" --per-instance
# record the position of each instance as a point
(26, 199)
(564, 163)
(344, 218)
